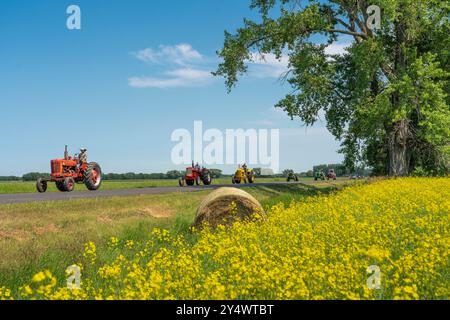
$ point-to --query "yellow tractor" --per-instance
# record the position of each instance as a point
(245, 175)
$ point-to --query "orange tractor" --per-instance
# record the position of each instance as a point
(68, 171)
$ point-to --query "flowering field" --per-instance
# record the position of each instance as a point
(320, 248)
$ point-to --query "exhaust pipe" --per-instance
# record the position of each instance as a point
(66, 154)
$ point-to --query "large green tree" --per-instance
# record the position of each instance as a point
(386, 98)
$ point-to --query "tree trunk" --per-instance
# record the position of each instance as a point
(398, 149)
(400, 133)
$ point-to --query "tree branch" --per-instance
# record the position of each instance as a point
(388, 71)
(344, 23)
(352, 33)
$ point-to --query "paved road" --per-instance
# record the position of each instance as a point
(52, 196)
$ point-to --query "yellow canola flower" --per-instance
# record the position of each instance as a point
(114, 242)
(38, 277)
(129, 244)
(90, 252)
(318, 248)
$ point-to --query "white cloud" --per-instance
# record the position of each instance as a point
(270, 60)
(180, 54)
(189, 73)
(184, 77)
(337, 48)
(147, 82)
(268, 65)
(185, 67)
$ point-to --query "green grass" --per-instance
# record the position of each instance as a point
(30, 186)
(50, 235)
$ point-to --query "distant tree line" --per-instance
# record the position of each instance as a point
(32, 176)
(339, 168)
(10, 178)
(172, 174)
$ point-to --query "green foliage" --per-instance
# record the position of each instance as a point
(10, 178)
(33, 176)
(397, 75)
(172, 174)
(309, 173)
(215, 173)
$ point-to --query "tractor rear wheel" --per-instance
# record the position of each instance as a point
(69, 184)
(181, 182)
(251, 178)
(93, 176)
(41, 185)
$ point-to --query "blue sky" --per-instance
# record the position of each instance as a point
(136, 71)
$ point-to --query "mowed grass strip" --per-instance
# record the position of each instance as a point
(50, 235)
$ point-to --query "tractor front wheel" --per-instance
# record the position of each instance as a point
(69, 184)
(41, 185)
(93, 176)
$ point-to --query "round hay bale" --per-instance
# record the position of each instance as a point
(226, 205)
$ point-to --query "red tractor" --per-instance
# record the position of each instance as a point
(70, 170)
(194, 175)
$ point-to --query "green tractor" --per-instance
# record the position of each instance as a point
(319, 175)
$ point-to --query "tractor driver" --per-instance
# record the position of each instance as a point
(82, 157)
(244, 167)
